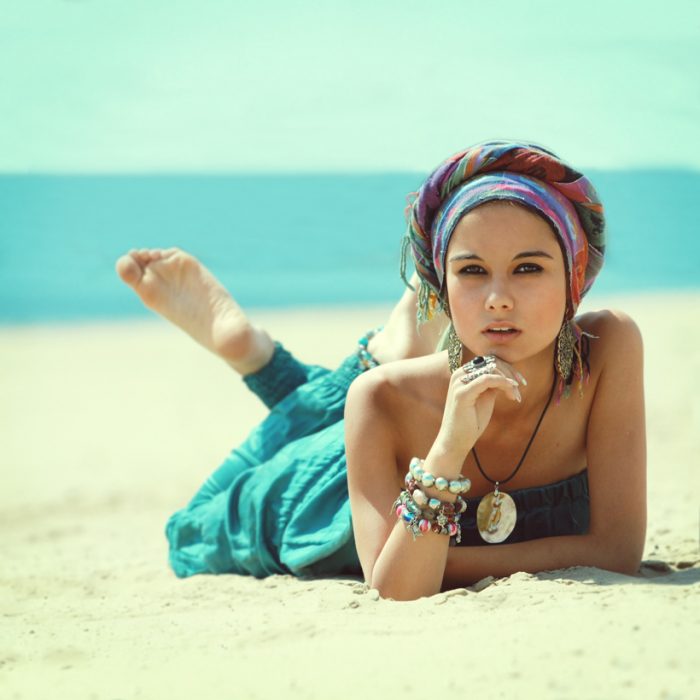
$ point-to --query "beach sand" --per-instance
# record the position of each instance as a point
(105, 429)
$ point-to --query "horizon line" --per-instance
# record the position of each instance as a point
(300, 172)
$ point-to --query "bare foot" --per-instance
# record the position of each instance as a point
(178, 287)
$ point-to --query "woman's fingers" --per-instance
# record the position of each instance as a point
(520, 378)
(500, 381)
(504, 367)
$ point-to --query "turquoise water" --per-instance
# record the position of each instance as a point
(284, 240)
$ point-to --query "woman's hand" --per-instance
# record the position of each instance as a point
(469, 407)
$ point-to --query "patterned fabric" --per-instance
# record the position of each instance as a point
(504, 170)
(520, 188)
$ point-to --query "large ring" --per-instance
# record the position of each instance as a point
(484, 364)
(471, 376)
(478, 367)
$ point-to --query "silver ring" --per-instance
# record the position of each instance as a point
(475, 374)
(479, 363)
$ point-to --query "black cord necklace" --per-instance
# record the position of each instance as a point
(496, 514)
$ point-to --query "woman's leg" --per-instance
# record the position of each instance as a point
(177, 286)
(401, 338)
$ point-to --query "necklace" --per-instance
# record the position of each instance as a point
(496, 514)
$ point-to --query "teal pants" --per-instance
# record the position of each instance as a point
(279, 503)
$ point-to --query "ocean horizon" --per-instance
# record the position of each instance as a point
(285, 240)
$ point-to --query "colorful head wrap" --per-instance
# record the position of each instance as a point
(504, 170)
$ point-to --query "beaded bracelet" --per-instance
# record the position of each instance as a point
(421, 498)
(405, 508)
(366, 359)
(418, 521)
(461, 485)
(439, 516)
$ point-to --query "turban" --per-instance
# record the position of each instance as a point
(504, 170)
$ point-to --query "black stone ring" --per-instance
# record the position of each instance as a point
(484, 364)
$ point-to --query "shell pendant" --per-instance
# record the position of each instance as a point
(496, 516)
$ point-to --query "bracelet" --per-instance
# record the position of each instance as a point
(439, 516)
(461, 485)
(421, 498)
(419, 521)
(365, 357)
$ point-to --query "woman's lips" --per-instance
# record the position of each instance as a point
(501, 337)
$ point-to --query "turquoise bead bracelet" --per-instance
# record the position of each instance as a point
(461, 485)
(435, 504)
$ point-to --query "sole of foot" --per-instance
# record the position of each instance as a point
(177, 286)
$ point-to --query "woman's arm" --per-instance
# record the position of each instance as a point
(467, 565)
(616, 444)
(392, 561)
(616, 456)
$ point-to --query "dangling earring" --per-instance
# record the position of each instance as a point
(454, 350)
(566, 341)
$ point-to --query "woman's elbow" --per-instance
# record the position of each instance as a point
(625, 558)
(391, 589)
(388, 593)
(627, 567)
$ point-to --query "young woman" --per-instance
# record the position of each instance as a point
(519, 448)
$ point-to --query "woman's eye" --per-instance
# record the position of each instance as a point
(528, 267)
(472, 270)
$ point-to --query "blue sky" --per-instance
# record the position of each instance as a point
(211, 85)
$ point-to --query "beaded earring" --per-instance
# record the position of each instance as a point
(454, 350)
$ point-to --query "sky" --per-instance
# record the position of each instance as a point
(127, 86)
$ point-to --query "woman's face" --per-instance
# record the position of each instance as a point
(504, 269)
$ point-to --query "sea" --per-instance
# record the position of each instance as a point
(286, 240)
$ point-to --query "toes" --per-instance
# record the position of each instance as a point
(132, 267)
(139, 256)
(129, 270)
(146, 255)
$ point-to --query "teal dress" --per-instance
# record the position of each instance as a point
(279, 503)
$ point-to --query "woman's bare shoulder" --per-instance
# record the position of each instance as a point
(616, 334)
(401, 380)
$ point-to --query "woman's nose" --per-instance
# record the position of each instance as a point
(499, 297)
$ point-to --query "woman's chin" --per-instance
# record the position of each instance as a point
(508, 352)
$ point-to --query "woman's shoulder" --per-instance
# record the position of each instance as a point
(415, 379)
(613, 330)
(610, 319)
(398, 405)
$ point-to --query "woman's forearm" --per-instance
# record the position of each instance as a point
(407, 569)
(467, 565)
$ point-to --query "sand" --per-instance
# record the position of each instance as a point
(105, 429)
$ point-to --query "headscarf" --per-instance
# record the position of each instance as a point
(525, 174)
(504, 170)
